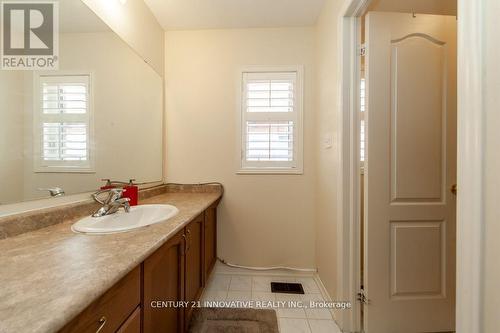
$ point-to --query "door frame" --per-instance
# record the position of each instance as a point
(470, 222)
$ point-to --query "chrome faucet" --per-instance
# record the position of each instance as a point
(112, 203)
(53, 191)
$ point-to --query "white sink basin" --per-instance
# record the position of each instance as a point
(139, 216)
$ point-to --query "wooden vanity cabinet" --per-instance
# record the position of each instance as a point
(112, 310)
(194, 263)
(175, 273)
(210, 238)
(132, 324)
(163, 281)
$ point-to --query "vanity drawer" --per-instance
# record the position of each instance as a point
(109, 312)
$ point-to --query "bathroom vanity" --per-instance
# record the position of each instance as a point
(150, 295)
(70, 282)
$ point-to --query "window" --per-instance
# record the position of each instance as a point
(271, 120)
(62, 124)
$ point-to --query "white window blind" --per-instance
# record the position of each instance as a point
(63, 124)
(271, 122)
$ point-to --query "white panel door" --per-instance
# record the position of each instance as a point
(411, 166)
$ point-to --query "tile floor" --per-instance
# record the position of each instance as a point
(235, 284)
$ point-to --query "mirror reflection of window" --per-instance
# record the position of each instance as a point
(63, 124)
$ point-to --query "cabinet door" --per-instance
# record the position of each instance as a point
(194, 262)
(164, 281)
(210, 240)
(133, 323)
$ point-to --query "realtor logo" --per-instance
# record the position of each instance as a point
(30, 36)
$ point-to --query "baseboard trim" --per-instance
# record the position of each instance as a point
(270, 268)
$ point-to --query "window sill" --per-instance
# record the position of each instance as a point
(270, 171)
(64, 170)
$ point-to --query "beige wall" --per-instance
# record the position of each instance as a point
(264, 220)
(11, 136)
(491, 278)
(436, 7)
(134, 22)
(327, 159)
(127, 109)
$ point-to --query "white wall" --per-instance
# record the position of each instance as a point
(491, 279)
(264, 219)
(11, 136)
(134, 22)
(127, 108)
(327, 159)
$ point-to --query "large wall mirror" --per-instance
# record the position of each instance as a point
(98, 116)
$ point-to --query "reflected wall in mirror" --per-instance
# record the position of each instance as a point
(98, 116)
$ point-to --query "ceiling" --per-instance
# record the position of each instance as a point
(227, 14)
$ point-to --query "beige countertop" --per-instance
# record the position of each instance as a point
(49, 276)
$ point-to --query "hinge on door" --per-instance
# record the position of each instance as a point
(362, 297)
(362, 50)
